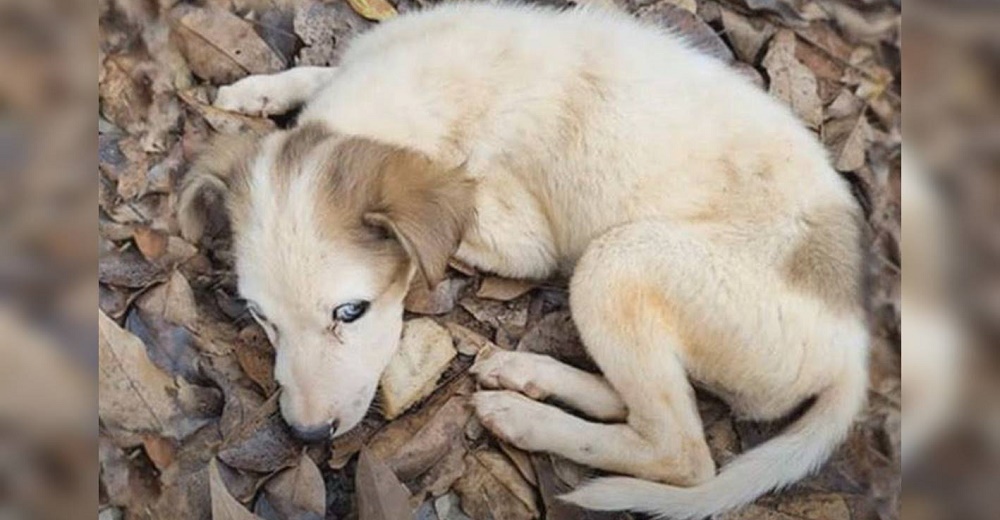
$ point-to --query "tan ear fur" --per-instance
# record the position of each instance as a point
(221, 169)
(426, 207)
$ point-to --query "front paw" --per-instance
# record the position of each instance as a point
(253, 96)
(517, 371)
(512, 417)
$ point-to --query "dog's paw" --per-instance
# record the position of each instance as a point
(511, 416)
(253, 95)
(518, 371)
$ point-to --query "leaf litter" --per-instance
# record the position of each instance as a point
(189, 421)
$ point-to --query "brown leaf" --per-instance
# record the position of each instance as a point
(127, 269)
(493, 488)
(437, 301)
(791, 81)
(222, 47)
(124, 98)
(431, 442)
(467, 341)
(256, 438)
(376, 10)
(151, 243)
(297, 489)
(555, 335)
(159, 450)
(746, 35)
(380, 494)
(324, 27)
(224, 506)
(425, 350)
(551, 485)
(256, 357)
(847, 139)
(503, 289)
(135, 394)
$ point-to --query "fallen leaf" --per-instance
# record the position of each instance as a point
(376, 10)
(493, 488)
(425, 350)
(436, 301)
(224, 506)
(380, 494)
(551, 485)
(555, 335)
(847, 139)
(431, 442)
(255, 436)
(127, 268)
(467, 341)
(324, 28)
(222, 47)
(447, 507)
(256, 357)
(135, 394)
(151, 243)
(746, 35)
(296, 490)
(503, 289)
(791, 81)
(160, 450)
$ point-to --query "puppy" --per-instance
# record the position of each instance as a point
(707, 237)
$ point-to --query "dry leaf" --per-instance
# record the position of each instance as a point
(376, 10)
(151, 243)
(493, 488)
(127, 268)
(425, 350)
(503, 289)
(298, 489)
(555, 335)
(791, 81)
(256, 438)
(222, 47)
(160, 450)
(746, 35)
(380, 494)
(847, 139)
(467, 341)
(224, 506)
(436, 301)
(551, 484)
(135, 394)
(325, 27)
(431, 442)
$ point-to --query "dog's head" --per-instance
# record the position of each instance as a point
(328, 232)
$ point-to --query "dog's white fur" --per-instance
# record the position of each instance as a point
(707, 236)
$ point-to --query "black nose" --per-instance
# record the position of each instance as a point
(317, 433)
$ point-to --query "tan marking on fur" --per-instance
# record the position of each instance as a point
(371, 188)
(296, 147)
(827, 261)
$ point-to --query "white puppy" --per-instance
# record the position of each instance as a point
(707, 236)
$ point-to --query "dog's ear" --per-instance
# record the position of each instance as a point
(426, 207)
(209, 181)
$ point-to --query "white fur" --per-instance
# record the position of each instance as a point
(668, 185)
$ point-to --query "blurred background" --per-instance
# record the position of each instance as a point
(941, 176)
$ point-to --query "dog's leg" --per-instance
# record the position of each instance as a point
(272, 94)
(623, 297)
(541, 377)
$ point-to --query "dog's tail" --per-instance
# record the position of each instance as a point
(793, 454)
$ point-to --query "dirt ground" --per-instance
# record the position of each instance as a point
(189, 427)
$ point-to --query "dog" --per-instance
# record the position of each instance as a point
(706, 236)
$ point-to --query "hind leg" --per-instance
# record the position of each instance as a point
(273, 94)
(624, 295)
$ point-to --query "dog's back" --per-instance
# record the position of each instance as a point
(585, 105)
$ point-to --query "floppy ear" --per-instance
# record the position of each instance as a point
(208, 182)
(425, 207)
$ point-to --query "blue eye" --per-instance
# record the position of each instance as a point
(350, 311)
